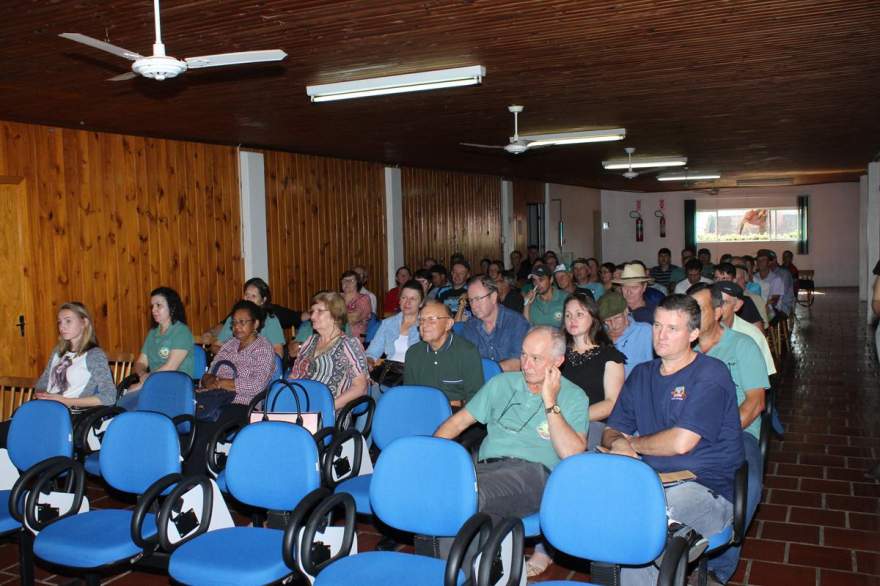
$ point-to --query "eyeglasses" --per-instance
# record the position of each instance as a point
(241, 322)
(510, 405)
(431, 319)
(472, 299)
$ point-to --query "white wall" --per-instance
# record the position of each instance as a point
(833, 217)
(578, 205)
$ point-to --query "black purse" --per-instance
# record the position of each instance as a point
(210, 404)
(388, 374)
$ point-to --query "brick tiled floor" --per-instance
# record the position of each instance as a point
(819, 521)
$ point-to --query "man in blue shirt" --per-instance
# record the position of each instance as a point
(496, 331)
(679, 412)
(632, 338)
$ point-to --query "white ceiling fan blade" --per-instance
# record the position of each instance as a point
(95, 43)
(235, 58)
(123, 76)
(482, 146)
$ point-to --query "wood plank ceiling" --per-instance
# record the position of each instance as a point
(755, 88)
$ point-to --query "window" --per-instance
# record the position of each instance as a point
(748, 225)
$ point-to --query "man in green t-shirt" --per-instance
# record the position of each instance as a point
(545, 304)
(534, 418)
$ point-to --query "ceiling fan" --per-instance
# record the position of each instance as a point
(643, 164)
(521, 143)
(161, 66)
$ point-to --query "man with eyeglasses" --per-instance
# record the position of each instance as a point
(534, 419)
(496, 331)
(630, 337)
(679, 413)
(746, 365)
(442, 359)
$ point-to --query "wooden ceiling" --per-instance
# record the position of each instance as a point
(755, 88)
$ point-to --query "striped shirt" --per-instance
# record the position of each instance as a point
(337, 367)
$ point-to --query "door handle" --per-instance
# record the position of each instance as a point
(20, 325)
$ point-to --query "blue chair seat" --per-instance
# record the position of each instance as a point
(532, 525)
(237, 555)
(92, 464)
(7, 522)
(359, 488)
(92, 539)
(385, 567)
(721, 538)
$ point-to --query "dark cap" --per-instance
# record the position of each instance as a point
(540, 271)
(729, 287)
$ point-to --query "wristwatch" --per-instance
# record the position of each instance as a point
(554, 409)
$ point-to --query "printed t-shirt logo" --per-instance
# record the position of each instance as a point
(543, 430)
(678, 394)
(164, 351)
(557, 316)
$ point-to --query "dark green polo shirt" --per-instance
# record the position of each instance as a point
(455, 369)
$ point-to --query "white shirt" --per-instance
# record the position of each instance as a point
(401, 345)
(683, 286)
(743, 327)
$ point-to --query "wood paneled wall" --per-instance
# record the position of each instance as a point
(323, 217)
(114, 216)
(446, 212)
(524, 193)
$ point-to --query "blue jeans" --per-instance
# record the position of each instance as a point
(724, 565)
(694, 505)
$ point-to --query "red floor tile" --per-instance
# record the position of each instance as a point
(818, 556)
(769, 574)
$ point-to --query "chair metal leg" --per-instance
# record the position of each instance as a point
(26, 557)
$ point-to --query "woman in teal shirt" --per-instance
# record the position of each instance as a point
(257, 291)
(169, 343)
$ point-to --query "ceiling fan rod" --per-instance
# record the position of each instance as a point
(158, 46)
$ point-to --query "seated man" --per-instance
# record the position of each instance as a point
(508, 292)
(630, 337)
(534, 419)
(544, 303)
(581, 272)
(496, 331)
(461, 271)
(678, 412)
(746, 366)
(772, 287)
(694, 270)
(666, 273)
(705, 256)
(732, 295)
(788, 299)
(439, 281)
(633, 284)
(748, 310)
(443, 360)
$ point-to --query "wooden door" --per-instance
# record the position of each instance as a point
(17, 333)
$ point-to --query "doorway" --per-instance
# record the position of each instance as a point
(535, 228)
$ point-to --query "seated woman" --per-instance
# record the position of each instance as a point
(257, 291)
(357, 305)
(392, 298)
(254, 360)
(329, 355)
(77, 374)
(168, 346)
(394, 337)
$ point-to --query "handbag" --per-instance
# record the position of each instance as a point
(210, 403)
(388, 374)
(310, 420)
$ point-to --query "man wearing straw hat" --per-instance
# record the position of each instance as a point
(633, 282)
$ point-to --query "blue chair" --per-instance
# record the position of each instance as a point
(38, 443)
(272, 466)
(279, 368)
(490, 369)
(169, 393)
(732, 534)
(372, 328)
(612, 510)
(140, 455)
(458, 327)
(426, 486)
(404, 411)
(200, 362)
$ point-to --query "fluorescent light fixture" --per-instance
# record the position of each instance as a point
(688, 176)
(397, 84)
(769, 182)
(576, 137)
(644, 162)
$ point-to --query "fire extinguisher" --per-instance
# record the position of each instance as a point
(640, 225)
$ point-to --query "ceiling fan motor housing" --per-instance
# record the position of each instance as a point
(159, 67)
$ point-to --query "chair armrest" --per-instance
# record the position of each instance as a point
(479, 526)
(87, 420)
(317, 522)
(36, 480)
(510, 526)
(258, 398)
(740, 502)
(168, 509)
(144, 504)
(215, 467)
(296, 522)
(673, 569)
(349, 409)
(189, 438)
(321, 436)
(329, 454)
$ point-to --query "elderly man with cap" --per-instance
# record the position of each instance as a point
(544, 303)
(772, 287)
(630, 337)
(748, 310)
(564, 282)
(747, 368)
(495, 330)
(732, 295)
(633, 283)
(580, 269)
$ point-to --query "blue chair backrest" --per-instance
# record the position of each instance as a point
(605, 508)
(372, 328)
(490, 369)
(279, 368)
(39, 430)
(320, 399)
(200, 361)
(424, 485)
(272, 465)
(458, 327)
(139, 448)
(170, 393)
(409, 410)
